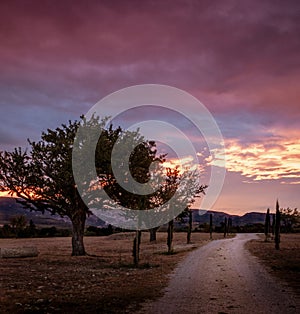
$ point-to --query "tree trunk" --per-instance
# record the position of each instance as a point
(78, 224)
(273, 226)
(153, 234)
(229, 225)
(136, 247)
(190, 226)
(210, 226)
(225, 227)
(170, 236)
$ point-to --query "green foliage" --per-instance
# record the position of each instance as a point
(290, 218)
(43, 179)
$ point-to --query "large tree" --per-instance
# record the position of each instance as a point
(42, 177)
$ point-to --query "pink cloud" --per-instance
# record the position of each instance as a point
(241, 59)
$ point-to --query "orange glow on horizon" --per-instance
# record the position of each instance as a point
(5, 194)
(274, 160)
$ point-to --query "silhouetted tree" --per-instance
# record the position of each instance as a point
(194, 188)
(273, 225)
(143, 155)
(31, 228)
(43, 178)
(225, 226)
(7, 231)
(18, 224)
(210, 225)
(277, 227)
(187, 213)
(289, 218)
(170, 236)
(267, 225)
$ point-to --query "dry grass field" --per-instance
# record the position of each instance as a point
(103, 282)
(283, 263)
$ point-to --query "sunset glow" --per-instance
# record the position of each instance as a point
(240, 59)
(279, 160)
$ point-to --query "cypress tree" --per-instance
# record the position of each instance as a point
(267, 225)
(210, 225)
(277, 227)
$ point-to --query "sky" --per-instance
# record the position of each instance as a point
(239, 58)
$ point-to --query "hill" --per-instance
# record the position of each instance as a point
(10, 208)
(201, 217)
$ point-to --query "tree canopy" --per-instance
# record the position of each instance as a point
(42, 177)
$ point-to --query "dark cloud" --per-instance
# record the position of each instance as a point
(236, 56)
(240, 58)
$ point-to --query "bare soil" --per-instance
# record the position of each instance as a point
(283, 263)
(103, 282)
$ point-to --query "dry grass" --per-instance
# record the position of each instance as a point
(283, 263)
(105, 282)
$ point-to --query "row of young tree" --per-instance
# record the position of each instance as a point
(284, 218)
(19, 228)
(42, 177)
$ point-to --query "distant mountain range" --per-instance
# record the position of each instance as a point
(10, 208)
(218, 217)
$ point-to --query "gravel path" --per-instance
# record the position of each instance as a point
(223, 277)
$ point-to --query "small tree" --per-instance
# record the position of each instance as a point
(170, 236)
(18, 224)
(194, 188)
(31, 228)
(289, 218)
(273, 225)
(277, 227)
(225, 227)
(187, 213)
(210, 225)
(267, 225)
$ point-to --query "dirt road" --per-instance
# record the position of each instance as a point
(223, 277)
